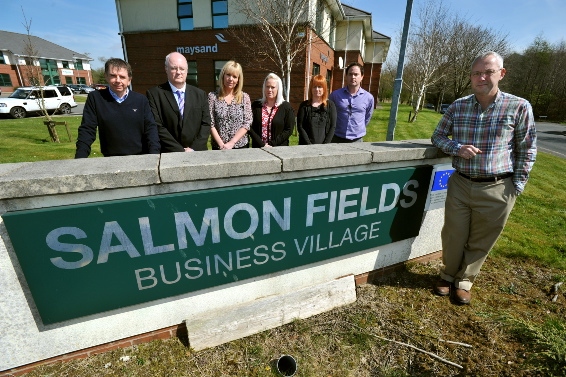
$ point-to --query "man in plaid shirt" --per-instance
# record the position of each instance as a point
(492, 138)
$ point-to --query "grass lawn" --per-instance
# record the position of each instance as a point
(27, 140)
(513, 325)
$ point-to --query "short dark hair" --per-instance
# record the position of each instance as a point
(117, 63)
(357, 65)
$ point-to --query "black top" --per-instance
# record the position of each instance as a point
(281, 125)
(178, 132)
(316, 125)
(126, 128)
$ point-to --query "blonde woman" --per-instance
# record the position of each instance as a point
(316, 118)
(273, 118)
(230, 109)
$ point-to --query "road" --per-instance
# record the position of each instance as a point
(551, 138)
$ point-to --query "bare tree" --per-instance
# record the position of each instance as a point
(33, 71)
(465, 43)
(277, 31)
(425, 58)
(442, 47)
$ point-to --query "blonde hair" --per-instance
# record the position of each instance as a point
(279, 100)
(231, 67)
(319, 80)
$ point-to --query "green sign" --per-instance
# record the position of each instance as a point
(84, 259)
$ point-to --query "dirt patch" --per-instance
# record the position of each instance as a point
(357, 339)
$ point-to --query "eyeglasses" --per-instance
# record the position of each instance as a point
(488, 73)
(178, 69)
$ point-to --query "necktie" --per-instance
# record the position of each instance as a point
(180, 101)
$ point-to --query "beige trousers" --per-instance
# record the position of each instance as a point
(474, 216)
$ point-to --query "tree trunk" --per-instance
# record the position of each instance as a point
(52, 132)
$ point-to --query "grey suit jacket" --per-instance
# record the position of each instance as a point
(176, 133)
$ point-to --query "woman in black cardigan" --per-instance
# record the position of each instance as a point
(316, 119)
(273, 118)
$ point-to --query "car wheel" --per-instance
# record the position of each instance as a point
(18, 112)
(65, 108)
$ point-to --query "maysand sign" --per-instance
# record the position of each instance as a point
(84, 259)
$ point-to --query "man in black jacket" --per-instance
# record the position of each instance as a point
(181, 111)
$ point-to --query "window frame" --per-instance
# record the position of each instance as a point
(315, 69)
(216, 16)
(3, 77)
(185, 22)
(192, 71)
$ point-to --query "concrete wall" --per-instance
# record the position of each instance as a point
(25, 339)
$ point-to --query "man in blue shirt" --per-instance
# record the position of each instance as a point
(354, 107)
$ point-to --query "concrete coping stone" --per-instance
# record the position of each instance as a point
(319, 156)
(389, 151)
(66, 176)
(182, 166)
(42, 178)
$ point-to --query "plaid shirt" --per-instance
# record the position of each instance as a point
(505, 133)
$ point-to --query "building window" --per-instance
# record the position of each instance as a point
(51, 80)
(219, 14)
(192, 74)
(185, 14)
(81, 80)
(65, 64)
(68, 80)
(315, 69)
(2, 60)
(218, 65)
(49, 71)
(5, 79)
(329, 79)
(79, 64)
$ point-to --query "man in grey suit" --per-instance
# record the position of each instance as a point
(180, 110)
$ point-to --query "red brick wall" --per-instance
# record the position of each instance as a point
(146, 53)
(10, 70)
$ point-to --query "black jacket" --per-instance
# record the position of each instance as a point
(194, 129)
(281, 125)
(126, 128)
(316, 126)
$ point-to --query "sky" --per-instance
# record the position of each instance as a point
(91, 27)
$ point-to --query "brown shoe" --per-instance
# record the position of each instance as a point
(442, 287)
(461, 296)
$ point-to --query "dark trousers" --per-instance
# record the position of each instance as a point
(338, 139)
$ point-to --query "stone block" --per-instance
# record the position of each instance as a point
(68, 176)
(181, 166)
(319, 156)
(220, 326)
(389, 151)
